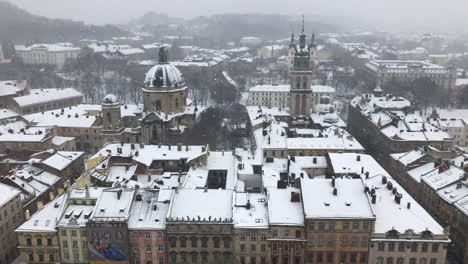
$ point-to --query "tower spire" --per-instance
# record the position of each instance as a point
(303, 24)
(302, 37)
(291, 43)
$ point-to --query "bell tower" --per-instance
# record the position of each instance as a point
(300, 75)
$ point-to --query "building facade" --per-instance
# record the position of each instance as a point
(48, 54)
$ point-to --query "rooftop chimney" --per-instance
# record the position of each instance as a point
(358, 158)
(408, 205)
(119, 194)
(335, 191)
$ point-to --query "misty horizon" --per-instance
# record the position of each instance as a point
(398, 15)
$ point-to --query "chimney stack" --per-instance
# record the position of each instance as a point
(335, 191)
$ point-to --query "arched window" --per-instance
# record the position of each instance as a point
(422, 261)
(109, 117)
(158, 105)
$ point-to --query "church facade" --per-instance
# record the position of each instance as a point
(166, 111)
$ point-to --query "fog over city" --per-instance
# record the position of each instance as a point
(392, 15)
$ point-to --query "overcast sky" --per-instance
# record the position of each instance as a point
(396, 13)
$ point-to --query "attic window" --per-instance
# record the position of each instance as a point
(326, 203)
(122, 210)
(261, 200)
(348, 203)
(103, 210)
(258, 220)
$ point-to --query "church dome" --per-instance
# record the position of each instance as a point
(164, 75)
(110, 99)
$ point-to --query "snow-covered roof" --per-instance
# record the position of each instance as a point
(322, 89)
(229, 79)
(250, 210)
(208, 205)
(327, 120)
(73, 116)
(440, 176)
(113, 204)
(131, 51)
(44, 220)
(461, 82)
(33, 180)
(149, 209)
(7, 113)
(41, 96)
(350, 201)
(75, 215)
(62, 159)
(409, 157)
(7, 193)
(148, 153)
(283, 88)
(333, 139)
(368, 102)
(9, 88)
(389, 214)
(92, 193)
(215, 160)
(454, 192)
(281, 211)
(56, 47)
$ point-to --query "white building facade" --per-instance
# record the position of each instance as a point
(48, 54)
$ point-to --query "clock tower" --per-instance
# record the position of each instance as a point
(300, 74)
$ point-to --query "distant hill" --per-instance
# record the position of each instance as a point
(154, 19)
(20, 26)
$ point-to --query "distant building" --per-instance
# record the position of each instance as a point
(48, 54)
(386, 124)
(40, 100)
(384, 71)
(454, 121)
